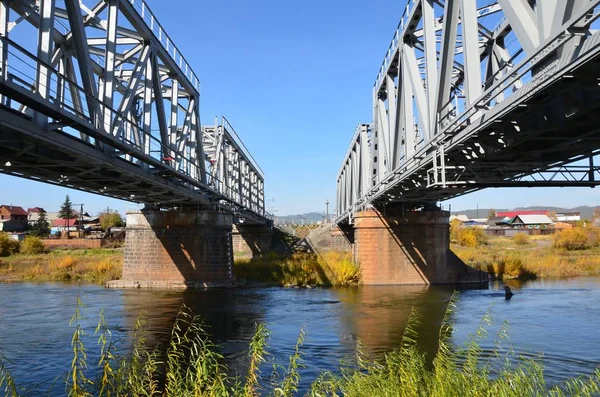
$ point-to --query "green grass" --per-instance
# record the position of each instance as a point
(193, 366)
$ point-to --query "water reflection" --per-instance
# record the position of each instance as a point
(378, 315)
(556, 317)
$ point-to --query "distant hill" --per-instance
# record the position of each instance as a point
(309, 216)
(586, 212)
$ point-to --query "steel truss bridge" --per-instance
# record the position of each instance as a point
(475, 94)
(95, 96)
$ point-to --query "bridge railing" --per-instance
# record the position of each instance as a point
(133, 143)
(161, 35)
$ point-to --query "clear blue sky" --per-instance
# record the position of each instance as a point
(294, 79)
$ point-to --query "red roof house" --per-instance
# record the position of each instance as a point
(512, 214)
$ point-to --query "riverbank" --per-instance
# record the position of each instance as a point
(536, 257)
(83, 265)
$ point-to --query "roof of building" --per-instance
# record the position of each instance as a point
(512, 214)
(61, 222)
(498, 220)
(34, 210)
(533, 219)
(461, 217)
(14, 209)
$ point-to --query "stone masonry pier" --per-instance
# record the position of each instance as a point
(181, 248)
(410, 247)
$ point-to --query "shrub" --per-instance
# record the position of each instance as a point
(110, 219)
(32, 246)
(572, 239)
(471, 237)
(8, 246)
(455, 228)
(521, 239)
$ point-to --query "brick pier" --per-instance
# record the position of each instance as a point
(177, 249)
(251, 240)
(408, 248)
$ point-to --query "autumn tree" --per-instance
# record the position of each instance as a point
(110, 219)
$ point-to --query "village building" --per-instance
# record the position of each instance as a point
(568, 216)
(12, 218)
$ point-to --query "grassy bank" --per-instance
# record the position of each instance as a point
(536, 256)
(300, 269)
(88, 265)
(193, 366)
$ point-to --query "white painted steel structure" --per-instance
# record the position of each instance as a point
(95, 95)
(479, 93)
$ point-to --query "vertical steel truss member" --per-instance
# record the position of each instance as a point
(232, 170)
(455, 98)
(106, 73)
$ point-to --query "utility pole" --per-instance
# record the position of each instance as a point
(80, 215)
(327, 213)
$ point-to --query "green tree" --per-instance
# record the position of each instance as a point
(110, 219)
(66, 211)
(41, 227)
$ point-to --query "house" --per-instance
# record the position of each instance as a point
(60, 225)
(568, 216)
(531, 222)
(12, 218)
(33, 214)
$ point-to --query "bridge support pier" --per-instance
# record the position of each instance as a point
(250, 241)
(410, 247)
(180, 248)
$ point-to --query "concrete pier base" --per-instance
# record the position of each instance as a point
(408, 248)
(177, 249)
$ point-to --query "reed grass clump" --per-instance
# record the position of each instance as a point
(300, 269)
(192, 366)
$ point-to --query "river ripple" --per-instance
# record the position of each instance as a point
(557, 318)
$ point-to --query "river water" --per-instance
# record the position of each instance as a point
(557, 318)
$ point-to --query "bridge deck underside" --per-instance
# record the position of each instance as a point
(557, 126)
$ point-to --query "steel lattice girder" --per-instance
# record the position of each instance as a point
(474, 94)
(107, 73)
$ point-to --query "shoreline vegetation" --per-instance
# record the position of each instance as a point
(191, 365)
(570, 253)
(330, 269)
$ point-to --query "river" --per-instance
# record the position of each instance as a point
(557, 318)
